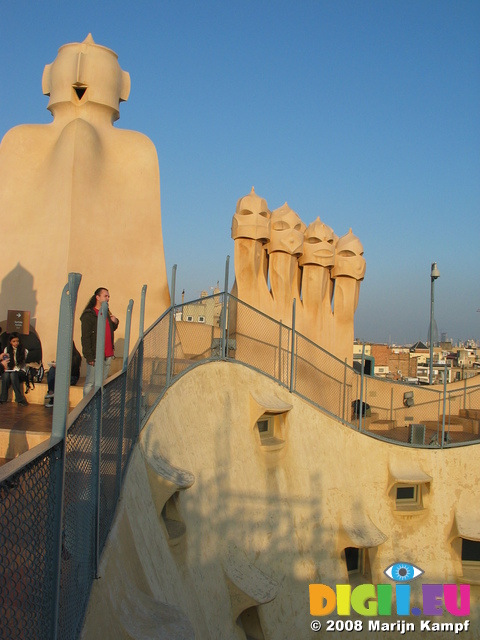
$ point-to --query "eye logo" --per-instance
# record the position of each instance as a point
(403, 572)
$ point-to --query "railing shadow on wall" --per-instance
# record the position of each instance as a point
(58, 500)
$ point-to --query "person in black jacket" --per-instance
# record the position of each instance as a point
(15, 372)
(89, 336)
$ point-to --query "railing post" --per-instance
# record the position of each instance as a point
(64, 355)
(100, 347)
(128, 325)
(439, 409)
(169, 348)
(59, 496)
(126, 347)
(173, 285)
(465, 395)
(361, 389)
(444, 407)
(172, 296)
(226, 305)
(171, 336)
(141, 346)
(224, 313)
(292, 350)
(97, 439)
(141, 329)
(280, 371)
(344, 388)
(59, 423)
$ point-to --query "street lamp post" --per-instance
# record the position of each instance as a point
(434, 274)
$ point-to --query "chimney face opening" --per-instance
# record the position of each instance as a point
(80, 91)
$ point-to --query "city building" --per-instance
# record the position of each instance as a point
(206, 310)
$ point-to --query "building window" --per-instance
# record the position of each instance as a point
(249, 621)
(358, 565)
(174, 525)
(408, 496)
(270, 430)
(189, 318)
(201, 319)
(265, 426)
(353, 559)
(471, 561)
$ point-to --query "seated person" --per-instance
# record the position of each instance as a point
(74, 375)
(16, 372)
(4, 360)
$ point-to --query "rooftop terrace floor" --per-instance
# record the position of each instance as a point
(402, 434)
(33, 419)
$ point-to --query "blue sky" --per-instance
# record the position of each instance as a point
(365, 113)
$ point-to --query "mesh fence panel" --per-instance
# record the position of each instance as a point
(462, 415)
(111, 448)
(80, 499)
(391, 408)
(471, 400)
(321, 378)
(79, 533)
(260, 341)
(197, 333)
(194, 340)
(455, 404)
(155, 351)
(27, 502)
(131, 408)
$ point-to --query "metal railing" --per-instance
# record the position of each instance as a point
(58, 500)
(381, 408)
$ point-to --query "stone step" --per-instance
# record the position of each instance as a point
(456, 424)
(471, 425)
(433, 425)
(382, 425)
(37, 395)
(366, 419)
(470, 413)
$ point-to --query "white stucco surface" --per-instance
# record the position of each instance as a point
(284, 516)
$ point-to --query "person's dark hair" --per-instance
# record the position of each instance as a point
(20, 350)
(93, 300)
